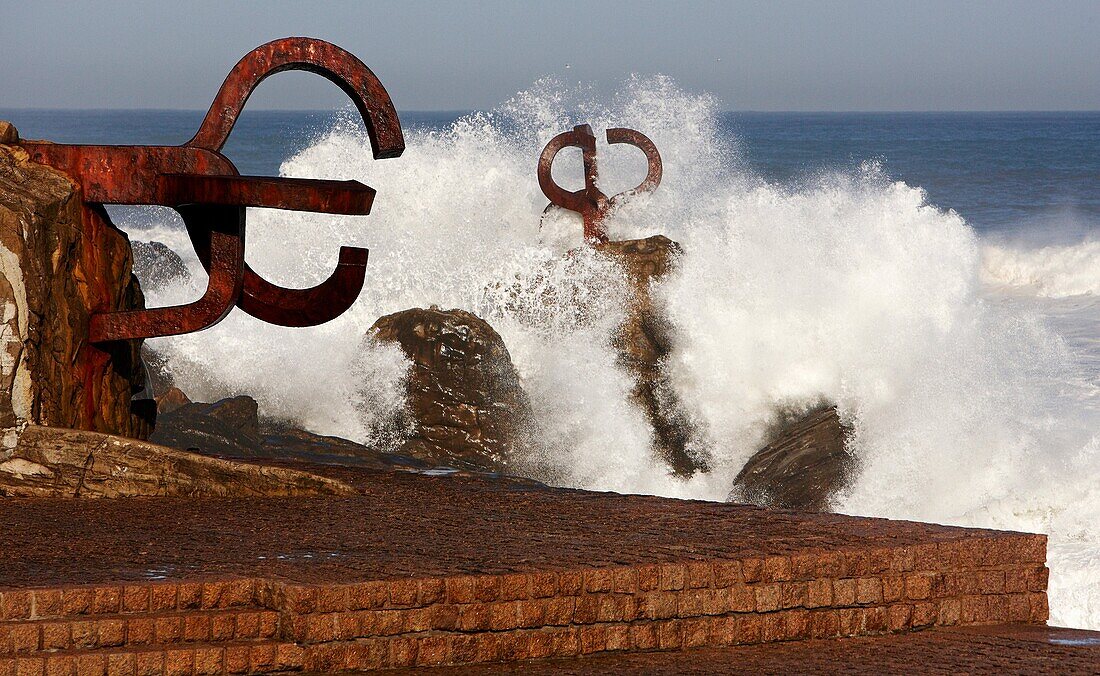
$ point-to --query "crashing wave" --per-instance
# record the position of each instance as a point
(1056, 271)
(847, 287)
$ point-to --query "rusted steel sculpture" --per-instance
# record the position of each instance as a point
(590, 202)
(204, 187)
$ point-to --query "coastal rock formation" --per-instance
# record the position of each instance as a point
(644, 340)
(231, 428)
(51, 462)
(466, 406)
(58, 263)
(157, 266)
(8, 134)
(158, 371)
(803, 466)
(292, 443)
(170, 400)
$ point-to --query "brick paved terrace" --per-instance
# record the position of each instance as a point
(997, 649)
(420, 570)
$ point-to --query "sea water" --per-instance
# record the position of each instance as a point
(936, 276)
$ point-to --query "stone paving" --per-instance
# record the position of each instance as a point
(419, 570)
(1000, 649)
(404, 524)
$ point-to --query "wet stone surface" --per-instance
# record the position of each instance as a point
(404, 523)
(419, 569)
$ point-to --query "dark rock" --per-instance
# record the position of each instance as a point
(802, 467)
(645, 339)
(157, 266)
(465, 403)
(51, 462)
(156, 368)
(297, 444)
(241, 413)
(231, 428)
(228, 428)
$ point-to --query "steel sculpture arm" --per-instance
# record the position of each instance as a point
(329, 299)
(206, 189)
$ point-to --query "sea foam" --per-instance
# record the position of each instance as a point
(1053, 271)
(848, 287)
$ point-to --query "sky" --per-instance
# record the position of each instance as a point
(771, 55)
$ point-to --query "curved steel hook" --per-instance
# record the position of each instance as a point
(337, 65)
(224, 260)
(587, 198)
(260, 298)
(590, 202)
(655, 168)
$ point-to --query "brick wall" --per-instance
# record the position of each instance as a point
(256, 625)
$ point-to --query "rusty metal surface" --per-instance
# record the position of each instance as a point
(206, 189)
(590, 202)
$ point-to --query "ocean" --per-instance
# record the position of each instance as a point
(935, 275)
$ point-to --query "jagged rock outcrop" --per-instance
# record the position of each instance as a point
(51, 462)
(232, 428)
(159, 373)
(803, 466)
(169, 400)
(465, 403)
(644, 340)
(57, 265)
(157, 266)
(229, 428)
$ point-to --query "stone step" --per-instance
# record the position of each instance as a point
(442, 570)
(251, 657)
(479, 619)
(78, 601)
(22, 637)
(600, 596)
(469, 619)
(997, 649)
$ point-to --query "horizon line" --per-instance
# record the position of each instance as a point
(438, 111)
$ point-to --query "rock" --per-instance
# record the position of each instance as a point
(172, 399)
(228, 428)
(644, 340)
(50, 462)
(59, 261)
(466, 407)
(231, 428)
(803, 466)
(242, 413)
(156, 365)
(8, 133)
(156, 266)
(297, 444)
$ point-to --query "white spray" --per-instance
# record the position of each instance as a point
(967, 408)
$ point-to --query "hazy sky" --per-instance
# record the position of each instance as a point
(769, 55)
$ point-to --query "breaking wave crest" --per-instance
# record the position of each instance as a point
(1055, 271)
(848, 287)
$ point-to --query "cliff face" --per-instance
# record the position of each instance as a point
(59, 262)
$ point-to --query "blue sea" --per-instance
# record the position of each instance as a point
(935, 275)
(1000, 171)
